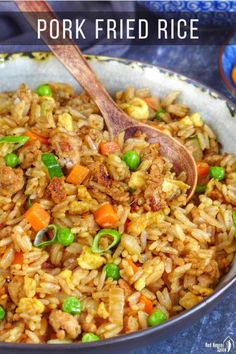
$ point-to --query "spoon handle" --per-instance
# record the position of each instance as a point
(72, 58)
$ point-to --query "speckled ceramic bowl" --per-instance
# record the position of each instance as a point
(116, 74)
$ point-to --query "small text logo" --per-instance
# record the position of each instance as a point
(226, 346)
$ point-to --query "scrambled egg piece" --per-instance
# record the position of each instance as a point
(29, 287)
(81, 207)
(65, 121)
(189, 300)
(101, 311)
(83, 193)
(199, 290)
(30, 306)
(137, 180)
(139, 223)
(67, 276)
(89, 260)
(186, 121)
(173, 187)
(140, 283)
(195, 119)
(136, 108)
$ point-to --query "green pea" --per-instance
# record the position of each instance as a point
(44, 90)
(132, 190)
(201, 188)
(159, 113)
(89, 337)
(217, 172)
(112, 271)
(2, 313)
(65, 236)
(132, 159)
(72, 305)
(156, 318)
(12, 160)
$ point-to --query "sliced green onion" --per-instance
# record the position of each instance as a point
(194, 147)
(28, 203)
(132, 190)
(159, 112)
(194, 136)
(201, 188)
(234, 217)
(13, 139)
(2, 313)
(40, 235)
(59, 341)
(105, 232)
(50, 161)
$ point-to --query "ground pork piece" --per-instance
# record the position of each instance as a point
(126, 287)
(154, 181)
(62, 92)
(11, 180)
(118, 192)
(62, 321)
(216, 195)
(5, 232)
(16, 289)
(99, 174)
(67, 148)
(96, 194)
(214, 159)
(56, 190)
(29, 153)
(152, 152)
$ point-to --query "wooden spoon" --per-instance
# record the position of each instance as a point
(116, 120)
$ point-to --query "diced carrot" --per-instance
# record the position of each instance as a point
(233, 74)
(19, 258)
(33, 136)
(126, 225)
(151, 102)
(106, 216)
(37, 217)
(203, 169)
(77, 174)
(53, 336)
(148, 305)
(132, 264)
(108, 147)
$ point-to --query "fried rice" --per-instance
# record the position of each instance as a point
(170, 255)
